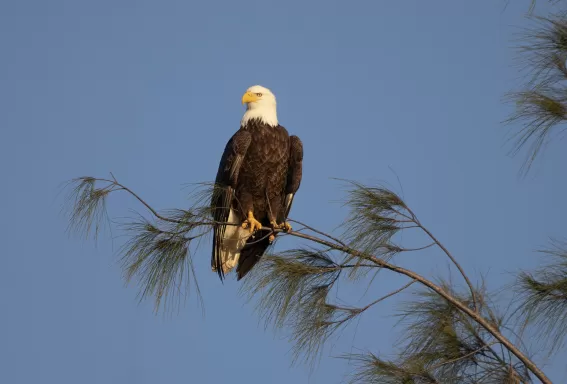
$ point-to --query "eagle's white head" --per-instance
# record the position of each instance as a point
(260, 104)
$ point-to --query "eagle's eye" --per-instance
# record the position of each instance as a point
(259, 94)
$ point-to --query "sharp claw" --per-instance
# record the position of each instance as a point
(285, 226)
(255, 225)
(251, 223)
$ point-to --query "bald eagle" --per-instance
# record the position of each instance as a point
(258, 176)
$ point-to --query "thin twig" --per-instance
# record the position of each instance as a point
(464, 356)
(317, 231)
(495, 356)
(153, 211)
(417, 249)
(389, 295)
(449, 255)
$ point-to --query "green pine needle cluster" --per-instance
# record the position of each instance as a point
(376, 214)
(543, 296)
(87, 205)
(158, 252)
(442, 345)
(293, 289)
(541, 107)
(159, 258)
(369, 368)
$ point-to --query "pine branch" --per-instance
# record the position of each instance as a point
(376, 214)
(388, 295)
(305, 279)
(158, 251)
(484, 323)
(448, 342)
(450, 256)
(87, 204)
(160, 258)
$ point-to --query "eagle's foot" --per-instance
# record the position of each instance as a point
(285, 226)
(274, 227)
(251, 223)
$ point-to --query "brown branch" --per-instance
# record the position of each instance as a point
(153, 211)
(495, 356)
(464, 356)
(449, 255)
(318, 231)
(417, 249)
(357, 311)
(388, 295)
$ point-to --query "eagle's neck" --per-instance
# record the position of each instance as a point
(265, 113)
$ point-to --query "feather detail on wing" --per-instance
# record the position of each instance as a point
(295, 171)
(226, 242)
(221, 208)
(288, 202)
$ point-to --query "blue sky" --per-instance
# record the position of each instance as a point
(151, 91)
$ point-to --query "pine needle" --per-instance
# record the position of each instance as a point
(543, 296)
(542, 105)
(293, 288)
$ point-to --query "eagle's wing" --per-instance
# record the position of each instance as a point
(294, 171)
(223, 192)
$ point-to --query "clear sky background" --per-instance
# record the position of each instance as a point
(150, 90)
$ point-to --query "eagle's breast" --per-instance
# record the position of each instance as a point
(264, 168)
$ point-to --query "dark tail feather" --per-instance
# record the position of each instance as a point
(252, 252)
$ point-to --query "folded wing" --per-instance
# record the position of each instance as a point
(294, 172)
(225, 243)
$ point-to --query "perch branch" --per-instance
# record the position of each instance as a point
(472, 313)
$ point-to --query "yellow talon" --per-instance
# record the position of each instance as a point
(252, 223)
(285, 226)
(271, 238)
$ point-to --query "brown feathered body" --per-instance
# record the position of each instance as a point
(260, 171)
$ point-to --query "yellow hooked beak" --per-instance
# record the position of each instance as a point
(249, 97)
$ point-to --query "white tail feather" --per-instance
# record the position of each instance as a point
(233, 241)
